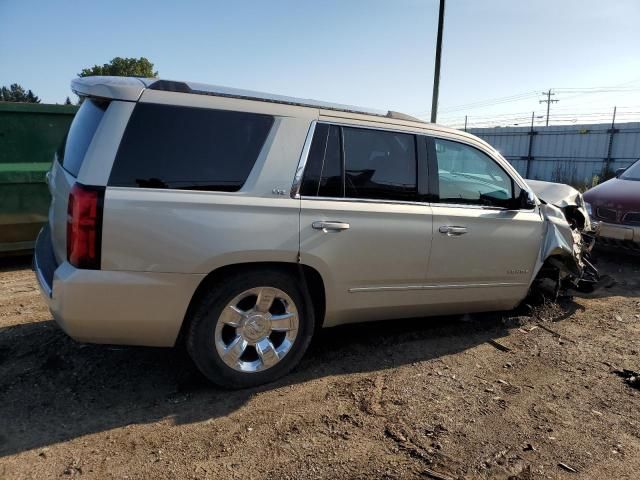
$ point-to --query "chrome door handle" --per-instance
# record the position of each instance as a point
(330, 226)
(452, 230)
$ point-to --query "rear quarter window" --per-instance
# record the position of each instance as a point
(75, 145)
(189, 148)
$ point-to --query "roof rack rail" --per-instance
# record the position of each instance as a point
(403, 116)
(218, 91)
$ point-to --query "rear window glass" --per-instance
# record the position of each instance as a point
(189, 148)
(75, 145)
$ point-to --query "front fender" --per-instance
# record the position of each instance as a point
(560, 242)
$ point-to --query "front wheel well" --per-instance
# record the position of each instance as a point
(574, 217)
(309, 277)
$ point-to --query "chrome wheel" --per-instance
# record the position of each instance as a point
(256, 329)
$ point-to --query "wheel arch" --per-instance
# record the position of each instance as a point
(312, 283)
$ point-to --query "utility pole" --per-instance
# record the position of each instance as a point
(613, 121)
(530, 151)
(465, 123)
(436, 73)
(548, 101)
(606, 171)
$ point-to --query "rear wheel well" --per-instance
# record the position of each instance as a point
(311, 281)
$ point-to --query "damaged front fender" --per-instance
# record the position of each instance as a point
(568, 236)
(560, 240)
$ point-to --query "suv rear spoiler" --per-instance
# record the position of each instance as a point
(116, 88)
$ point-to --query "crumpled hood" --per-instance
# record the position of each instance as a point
(562, 196)
(558, 194)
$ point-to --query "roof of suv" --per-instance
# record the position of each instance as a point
(131, 89)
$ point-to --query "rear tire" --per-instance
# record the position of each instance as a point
(251, 328)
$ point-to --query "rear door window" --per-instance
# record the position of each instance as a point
(73, 149)
(380, 165)
(166, 146)
(361, 163)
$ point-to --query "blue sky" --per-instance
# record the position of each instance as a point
(371, 53)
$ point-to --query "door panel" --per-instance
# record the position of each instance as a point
(498, 247)
(489, 266)
(484, 249)
(362, 224)
(369, 267)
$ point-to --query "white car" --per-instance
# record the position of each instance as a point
(239, 222)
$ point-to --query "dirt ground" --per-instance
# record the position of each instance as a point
(484, 396)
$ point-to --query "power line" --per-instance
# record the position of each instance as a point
(591, 92)
(620, 88)
(524, 117)
(491, 102)
(510, 114)
(482, 103)
(572, 108)
(630, 113)
(598, 89)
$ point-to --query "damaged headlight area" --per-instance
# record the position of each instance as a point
(569, 236)
(589, 209)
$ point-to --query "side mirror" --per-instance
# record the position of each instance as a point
(526, 200)
(619, 172)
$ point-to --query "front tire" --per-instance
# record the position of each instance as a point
(252, 328)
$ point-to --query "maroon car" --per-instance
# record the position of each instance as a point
(615, 205)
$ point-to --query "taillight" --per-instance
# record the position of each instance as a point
(84, 226)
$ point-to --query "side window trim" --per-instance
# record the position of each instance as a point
(324, 158)
(434, 183)
(343, 166)
(433, 191)
(302, 162)
(422, 167)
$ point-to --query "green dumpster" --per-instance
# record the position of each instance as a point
(29, 136)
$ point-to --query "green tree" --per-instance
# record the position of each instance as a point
(68, 101)
(32, 98)
(122, 67)
(17, 93)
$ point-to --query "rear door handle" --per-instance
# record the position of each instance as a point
(452, 230)
(330, 226)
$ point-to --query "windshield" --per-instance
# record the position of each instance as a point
(632, 173)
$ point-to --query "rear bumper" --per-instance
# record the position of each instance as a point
(126, 308)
